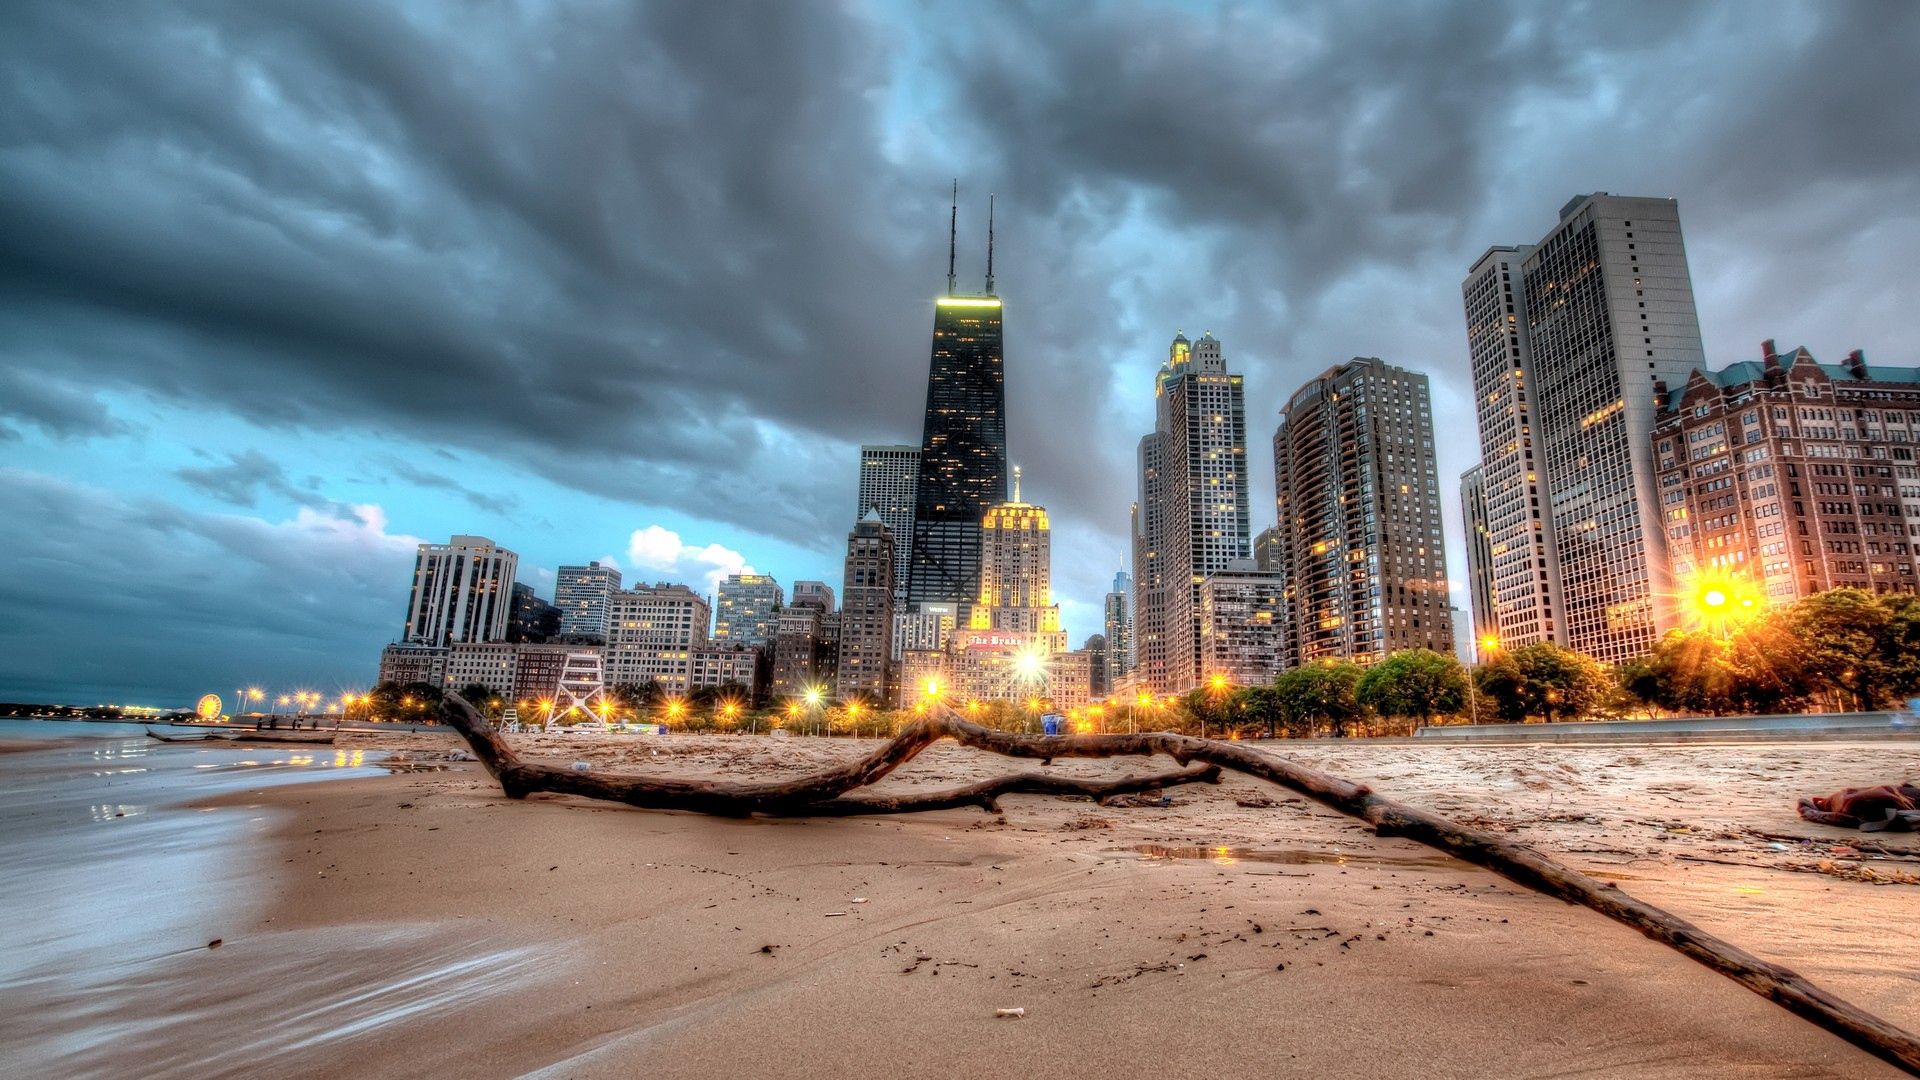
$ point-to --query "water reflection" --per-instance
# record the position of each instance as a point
(103, 877)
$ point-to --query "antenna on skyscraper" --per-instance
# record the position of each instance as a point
(953, 225)
(990, 249)
(1016, 483)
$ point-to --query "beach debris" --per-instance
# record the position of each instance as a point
(824, 794)
(858, 900)
(1009, 1014)
(216, 943)
(833, 914)
(580, 766)
(1894, 807)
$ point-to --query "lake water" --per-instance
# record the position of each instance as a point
(107, 879)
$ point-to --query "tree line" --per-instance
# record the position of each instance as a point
(1843, 649)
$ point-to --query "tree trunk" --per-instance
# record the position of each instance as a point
(821, 795)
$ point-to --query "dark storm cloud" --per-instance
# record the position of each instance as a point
(57, 407)
(241, 479)
(660, 251)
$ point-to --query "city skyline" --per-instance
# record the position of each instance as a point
(185, 418)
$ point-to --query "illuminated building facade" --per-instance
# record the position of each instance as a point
(889, 482)
(747, 610)
(799, 652)
(730, 664)
(928, 628)
(1192, 517)
(1016, 569)
(583, 594)
(651, 634)
(1609, 310)
(462, 591)
(1519, 564)
(405, 663)
(1243, 623)
(1792, 475)
(963, 443)
(1012, 647)
(1359, 515)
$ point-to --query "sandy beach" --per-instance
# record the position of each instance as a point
(1237, 932)
(420, 924)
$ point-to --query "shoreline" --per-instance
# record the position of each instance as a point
(624, 940)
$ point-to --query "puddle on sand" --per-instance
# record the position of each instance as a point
(1228, 856)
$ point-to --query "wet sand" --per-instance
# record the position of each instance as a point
(420, 924)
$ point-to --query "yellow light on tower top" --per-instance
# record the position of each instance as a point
(968, 301)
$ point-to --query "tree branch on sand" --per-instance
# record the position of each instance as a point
(821, 794)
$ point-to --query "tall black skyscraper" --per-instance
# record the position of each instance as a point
(963, 446)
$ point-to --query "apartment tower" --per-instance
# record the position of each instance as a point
(1192, 516)
(462, 591)
(1359, 515)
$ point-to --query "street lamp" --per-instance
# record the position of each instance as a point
(815, 695)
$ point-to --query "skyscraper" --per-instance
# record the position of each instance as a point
(889, 478)
(583, 594)
(748, 609)
(963, 444)
(1609, 314)
(462, 591)
(1192, 516)
(1359, 515)
(1016, 571)
(1480, 585)
(1012, 647)
(866, 613)
(1119, 627)
(1521, 568)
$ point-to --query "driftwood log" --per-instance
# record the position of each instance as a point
(823, 794)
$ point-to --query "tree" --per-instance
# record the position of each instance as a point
(635, 696)
(1544, 680)
(482, 696)
(1640, 683)
(1861, 647)
(1416, 683)
(1260, 706)
(1323, 692)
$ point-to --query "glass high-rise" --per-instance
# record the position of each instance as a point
(889, 476)
(963, 450)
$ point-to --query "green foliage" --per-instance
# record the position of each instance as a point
(1861, 647)
(1416, 683)
(1259, 707)
(1324, 693)
(1756, 670)
(417, 701)
(1543, 680)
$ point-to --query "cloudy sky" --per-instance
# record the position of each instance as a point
(286, 288)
